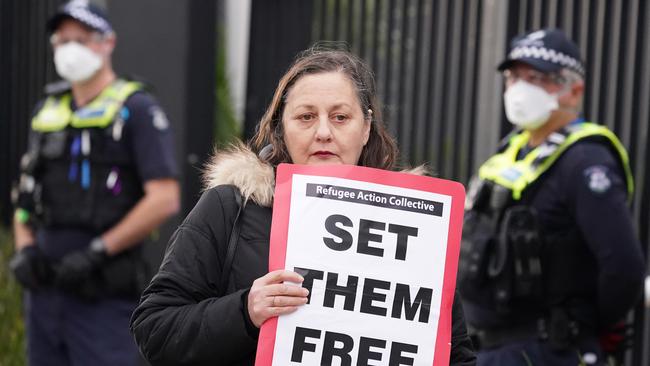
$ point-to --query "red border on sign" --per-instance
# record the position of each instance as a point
(280, 229)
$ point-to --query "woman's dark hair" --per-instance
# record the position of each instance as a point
(381, 149)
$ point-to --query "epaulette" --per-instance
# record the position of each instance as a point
(57, 87)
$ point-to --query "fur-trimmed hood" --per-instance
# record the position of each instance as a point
(239, 166)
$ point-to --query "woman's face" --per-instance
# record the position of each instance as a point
(323, 121)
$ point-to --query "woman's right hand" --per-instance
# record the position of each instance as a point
(269, 296)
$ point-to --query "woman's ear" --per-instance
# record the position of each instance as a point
(368, 126)
(366, 132)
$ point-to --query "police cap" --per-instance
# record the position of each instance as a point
(85, 13)
(547, 50)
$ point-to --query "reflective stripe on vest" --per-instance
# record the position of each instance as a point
(56, 114)
(504, 169)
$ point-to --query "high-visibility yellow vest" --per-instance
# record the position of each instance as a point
(506, 170)
(56, 114)
(85, 178)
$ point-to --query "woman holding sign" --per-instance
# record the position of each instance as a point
(195, 311)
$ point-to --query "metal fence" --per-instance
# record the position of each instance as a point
(429, 59)
(613, 37)
(278, 30)
(425, 56)
(435, 65)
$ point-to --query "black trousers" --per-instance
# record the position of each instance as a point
(535, 352)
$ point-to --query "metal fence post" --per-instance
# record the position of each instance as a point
(490, 86)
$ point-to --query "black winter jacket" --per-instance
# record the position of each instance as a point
(180, 319)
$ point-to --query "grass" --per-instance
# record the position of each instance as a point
(12, 328)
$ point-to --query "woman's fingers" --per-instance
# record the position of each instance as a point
(281, 275)
(271, 285)
(282, 301)
(282, 289)
(270, 296)
(281, 311)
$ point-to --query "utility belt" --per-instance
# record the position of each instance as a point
(558, 330)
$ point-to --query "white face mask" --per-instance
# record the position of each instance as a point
(527, 105)
(75, 62)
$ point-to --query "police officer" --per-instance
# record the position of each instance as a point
(97, 179)
(549, 258)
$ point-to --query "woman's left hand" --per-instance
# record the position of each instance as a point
(269, 296)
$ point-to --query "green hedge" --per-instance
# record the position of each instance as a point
(12, 328)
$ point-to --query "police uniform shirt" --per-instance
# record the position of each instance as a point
(148, 137)
(583, 198)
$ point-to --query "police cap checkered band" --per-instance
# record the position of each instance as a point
(547, 50)
(80, 10)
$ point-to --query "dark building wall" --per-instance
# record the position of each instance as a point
(171, 44)
(25, 67)
(279, 29)
(168, 43)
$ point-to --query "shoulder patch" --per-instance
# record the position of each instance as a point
(159, 118)
(597, 178)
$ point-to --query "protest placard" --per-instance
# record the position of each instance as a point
(379, 253)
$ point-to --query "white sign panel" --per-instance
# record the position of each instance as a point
(375, 251)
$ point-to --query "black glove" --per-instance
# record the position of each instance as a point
(76, 268)
(31, 268)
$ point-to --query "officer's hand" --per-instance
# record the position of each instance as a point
(269, 297)
(77, 267)
(31, 268)
(615, 339)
